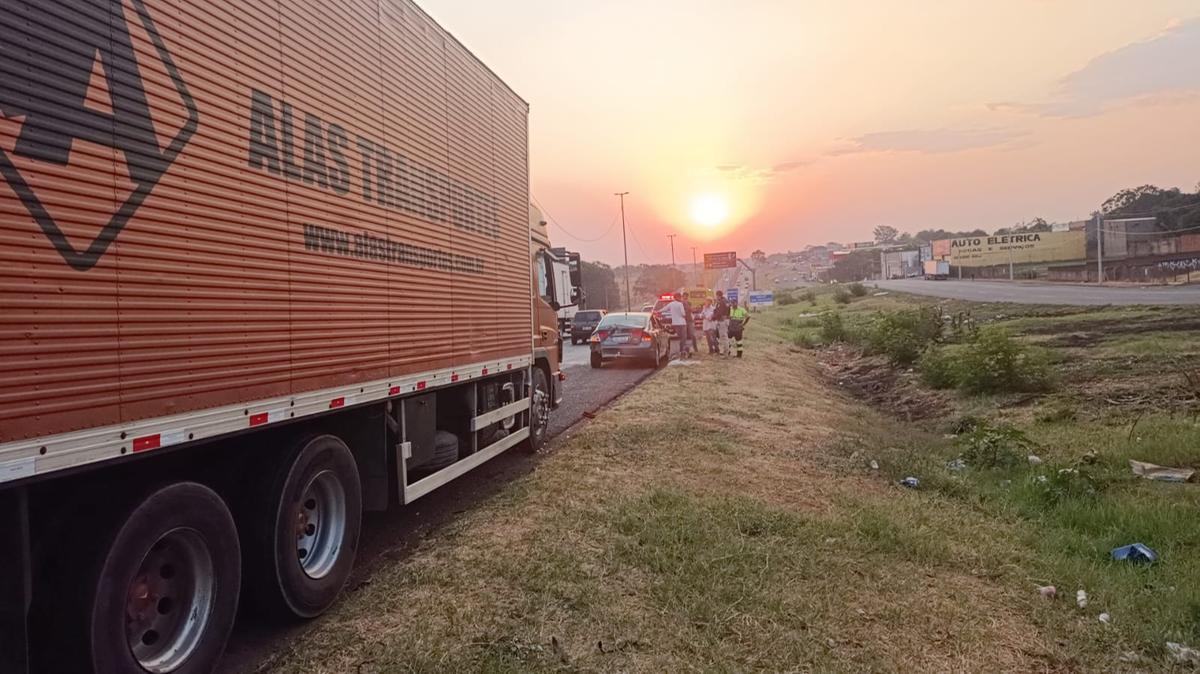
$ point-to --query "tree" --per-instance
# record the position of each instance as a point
(654, 280)
(600, 289)
(1130, 197)
(929, 235)
(758, 256)
(1171, 207)
(857, 266)
(1034, 225)
(886, 234)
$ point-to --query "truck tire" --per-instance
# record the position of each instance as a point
(162, 595)
(539, 412)
(445, 451)
(303, 536)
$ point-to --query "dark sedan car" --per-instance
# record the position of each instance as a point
(631, 336)
(584, 324)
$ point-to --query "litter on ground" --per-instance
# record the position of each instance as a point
(1151, 471)
(1182, 653)
(1136, 552)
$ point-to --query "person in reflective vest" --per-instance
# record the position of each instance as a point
(739, 317)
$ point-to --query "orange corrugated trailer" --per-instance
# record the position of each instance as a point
(262, 266)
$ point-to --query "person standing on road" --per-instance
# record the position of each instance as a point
(693, 344)
(721, 318)
(739, 317)
(677, 314)
(709, 326)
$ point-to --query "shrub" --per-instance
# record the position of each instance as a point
(938, 369)
(832, 327)
(994, 362)
(842, 296)
(967, 423)
(858, 290)
(995, 446)
(1060, 412)
(903, 336)
(809, 296)
(1067, 483)
(805, 340)
(785, 299)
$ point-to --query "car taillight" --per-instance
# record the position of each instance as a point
(600, 336)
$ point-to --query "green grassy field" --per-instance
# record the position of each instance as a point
(727, 517)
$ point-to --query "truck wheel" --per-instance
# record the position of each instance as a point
(164, 594)
(304, 535)
(539, 411)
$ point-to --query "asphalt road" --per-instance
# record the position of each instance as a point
(390, 537)
(1045, 293)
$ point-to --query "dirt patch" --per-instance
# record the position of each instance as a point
(1076, 340)
(876, 381)
(1098, 330)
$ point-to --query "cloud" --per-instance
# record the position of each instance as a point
(761, 175)
(789, 166)
(1159, 68)
(929, 141)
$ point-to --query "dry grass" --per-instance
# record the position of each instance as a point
(722, 517)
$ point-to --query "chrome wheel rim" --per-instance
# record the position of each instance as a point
(320, 524)
(169, 601)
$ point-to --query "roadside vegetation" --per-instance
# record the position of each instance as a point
(746, 515)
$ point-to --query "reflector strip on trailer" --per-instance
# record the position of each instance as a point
(28, 458)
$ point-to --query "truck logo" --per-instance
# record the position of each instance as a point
(45, 79)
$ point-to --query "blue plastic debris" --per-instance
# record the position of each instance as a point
(1137, 553)
(910, 482)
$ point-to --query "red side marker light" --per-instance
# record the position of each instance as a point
(147, 443)
(337, 403)
(259, 419)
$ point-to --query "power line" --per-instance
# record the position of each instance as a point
(639, 245)
(567, 231)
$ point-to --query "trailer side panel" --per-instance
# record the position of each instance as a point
(208, 204)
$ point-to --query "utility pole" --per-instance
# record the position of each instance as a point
(1099, 248)
(625, 245)
(1010, 264)
(672, 238)
(695, 268)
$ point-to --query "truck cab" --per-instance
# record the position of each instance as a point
(555, 279)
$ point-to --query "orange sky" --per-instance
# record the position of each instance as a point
(805, 122)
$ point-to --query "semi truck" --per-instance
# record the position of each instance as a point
(263, 267)
(568, 272)
(936, 270)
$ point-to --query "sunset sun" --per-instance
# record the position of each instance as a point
(710, 210)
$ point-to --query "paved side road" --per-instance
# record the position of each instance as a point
(1045, 293)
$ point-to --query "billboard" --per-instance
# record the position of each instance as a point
(940, 250)
(986, 251)
(720, 260)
